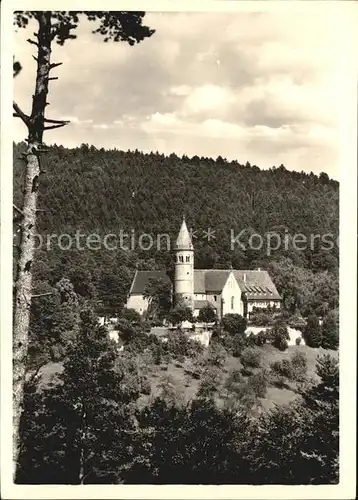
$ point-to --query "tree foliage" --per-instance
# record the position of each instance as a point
(330, 331)
(234, 324)
(279, 335)
(179, 314)
(76, 432)
(108, 179)
(51, 26)
(312, 333)
(207, 314)
(159, 294)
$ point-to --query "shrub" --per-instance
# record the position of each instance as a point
(130, 315)
(234, 324)
(262, 338)
(250, 358)
(299, 366)
(210, 383)
(195, 348)
(282, 368)
(217, 333)
(280, 382)
(251, 339)
(237, 346)
(298, 340)
(240, 392)
(292, 369)
(261, 319)
(146, 387)
(180, 313)
(312, 333)
(207, 314)
(297, 321)
(217, 355)
(157, 354)
(138, 342)
(257, 383)
(127, 331)
(146, 326)
(280, 344)
(279, 335)
(179, 345)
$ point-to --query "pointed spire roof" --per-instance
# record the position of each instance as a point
(183, 241)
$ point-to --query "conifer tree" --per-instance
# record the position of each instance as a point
(52, 27)
(299, 443)
(312, 332)
(80, 431)
(330, 331)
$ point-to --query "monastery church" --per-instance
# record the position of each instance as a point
(227, 291)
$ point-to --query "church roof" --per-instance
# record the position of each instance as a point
(200, 304)
(183, 241)
(210, 280)
(256, 284)
(141, 280)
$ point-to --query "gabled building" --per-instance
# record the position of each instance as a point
(226, 290)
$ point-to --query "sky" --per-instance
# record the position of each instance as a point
(262, 87)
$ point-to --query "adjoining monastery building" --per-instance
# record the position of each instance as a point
(226, 290)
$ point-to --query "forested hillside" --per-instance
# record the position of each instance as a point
(98, 191)
(262, 410)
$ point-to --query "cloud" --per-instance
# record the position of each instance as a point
(260, 85)
(208, 98)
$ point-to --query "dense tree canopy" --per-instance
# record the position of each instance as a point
(99, 192)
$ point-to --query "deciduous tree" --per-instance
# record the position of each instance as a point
(207, 314)
(159, 294)
(234, 324)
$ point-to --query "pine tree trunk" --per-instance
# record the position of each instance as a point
(23, 284)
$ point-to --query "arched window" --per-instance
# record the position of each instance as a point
(232, 302)
(187, 258)
(181, 259)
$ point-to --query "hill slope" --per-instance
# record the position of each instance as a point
(102, 192)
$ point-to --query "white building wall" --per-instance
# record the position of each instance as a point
(263, 304)
(200, 296)
(138, 303)
(232, 290)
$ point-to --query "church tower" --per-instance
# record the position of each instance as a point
(184, 267)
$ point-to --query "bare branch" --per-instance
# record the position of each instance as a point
(53, 78)
(59, 125)
(41, 295)
(47, 120)
(20, 113)
(18, 209)
(34, 58)
(32, 42)
(54, 65)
